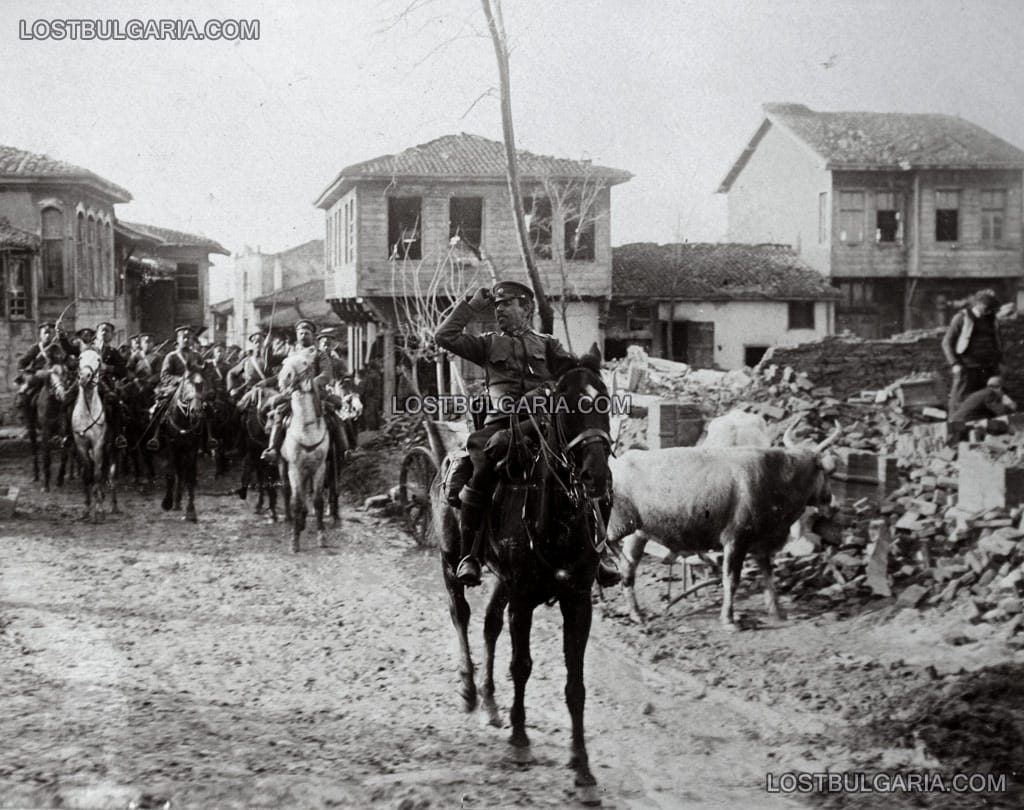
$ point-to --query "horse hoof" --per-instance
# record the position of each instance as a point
(521, 754)
(191, 517)
(588, 795)
(166, 504)
(321, 538)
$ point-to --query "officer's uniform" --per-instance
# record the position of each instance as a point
(39, 357)
(515, 364)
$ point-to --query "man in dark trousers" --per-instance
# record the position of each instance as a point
(972, 347)
(518, 361)
(39, 358)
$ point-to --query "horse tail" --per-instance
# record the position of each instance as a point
(435, 440)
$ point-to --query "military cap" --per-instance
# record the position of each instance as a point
(218, 344)
(86, 335)
(305, 322)
(507, 290)
(47, 325)
(101, 324)
(183, 328)
(136, 336)
(253, 337)
(142, 335)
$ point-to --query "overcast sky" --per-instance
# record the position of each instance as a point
(235, 140)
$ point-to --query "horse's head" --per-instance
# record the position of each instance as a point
(190, 392)
(89, 362)
(296, 370)
(582, 410)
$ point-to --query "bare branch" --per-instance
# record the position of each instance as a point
(486, 93)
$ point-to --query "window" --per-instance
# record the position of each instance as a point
(801, 315)
(947, 216)
(752, 355)
(822, 218)
(638, 318)
(466, 220)
(53, 252)
(81, 268)
(993, 210)
(579, 241)
(887, 217)
(331, 260)
(350, 243)
(94, 274)
(404, 230)
(18, 278)
(187, 281)
(851, 217)
(538, 222)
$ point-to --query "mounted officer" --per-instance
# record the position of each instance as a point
(250, 371)
(180, 361)
(281, 405)
(518, 362)
(39, 358)
(114, 370)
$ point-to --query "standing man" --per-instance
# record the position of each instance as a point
(372, 394)
(517, 361)
(972, 347)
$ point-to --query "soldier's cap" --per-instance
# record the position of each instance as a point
(47, 325)
(307, 323)
(507, 290)
(101, 324)
(994, 382)
(142, 335)
(85, 335)
(134, 337)
(183, 328)
(255, 336)
(218, 344)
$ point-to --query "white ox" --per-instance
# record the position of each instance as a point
(737, 499)
(737, 429)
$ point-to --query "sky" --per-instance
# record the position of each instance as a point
(235, 140)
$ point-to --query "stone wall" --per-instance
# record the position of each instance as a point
(849, 364)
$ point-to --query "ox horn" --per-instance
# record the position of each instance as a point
(787, 437)
(832, 437)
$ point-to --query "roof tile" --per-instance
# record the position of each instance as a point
(29, 165)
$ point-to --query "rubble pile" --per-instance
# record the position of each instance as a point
(923, 521)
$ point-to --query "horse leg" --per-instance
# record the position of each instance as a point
(298, 505)
(33, 442)
(458, 608)
(87, 474)
(318, 506)
(520, 622)
(168, 502)
(190, 460)
(268, 484)
(286, 489)
(493, 621)
(577, 613)
(62, 470)
(112, 469)
(45, 445)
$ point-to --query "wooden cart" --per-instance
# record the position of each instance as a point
(419, 468)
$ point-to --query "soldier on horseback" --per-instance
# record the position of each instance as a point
(518, 362)
(112, 371)
(179, 362)
(252, 370)
(39, 358)
(280, 405)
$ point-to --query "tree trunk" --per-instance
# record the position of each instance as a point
(547, 315)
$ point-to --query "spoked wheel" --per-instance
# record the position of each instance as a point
(418, 471)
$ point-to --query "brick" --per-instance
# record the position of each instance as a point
(1011, 605)
(912, 596)
(997, 545)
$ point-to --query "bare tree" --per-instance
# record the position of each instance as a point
(423, 296)
(496, 25)
(567, 222)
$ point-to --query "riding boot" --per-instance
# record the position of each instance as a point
(608, 575)
(273, 451)
(471, 517)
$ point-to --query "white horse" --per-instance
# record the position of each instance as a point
(305, 447)
(89, 428)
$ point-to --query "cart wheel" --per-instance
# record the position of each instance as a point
(418, 472)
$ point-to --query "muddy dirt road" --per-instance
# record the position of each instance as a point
(145, 659)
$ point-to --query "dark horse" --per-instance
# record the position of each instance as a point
(252, 444)
(181, 432)
(540, 542)
(48, 416)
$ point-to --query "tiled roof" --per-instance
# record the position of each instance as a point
(307, 291)
(465, 157)
(867, 140)
(13, 237)
(225, 307)
(715, 272)
(22, 165)
(167, 237)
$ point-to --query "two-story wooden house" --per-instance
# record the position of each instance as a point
(397, 215)
(57, 250)
(905, 213)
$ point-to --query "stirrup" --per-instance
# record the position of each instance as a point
(120, 442)
(153, 445)
(608, 575)
(468, 573)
